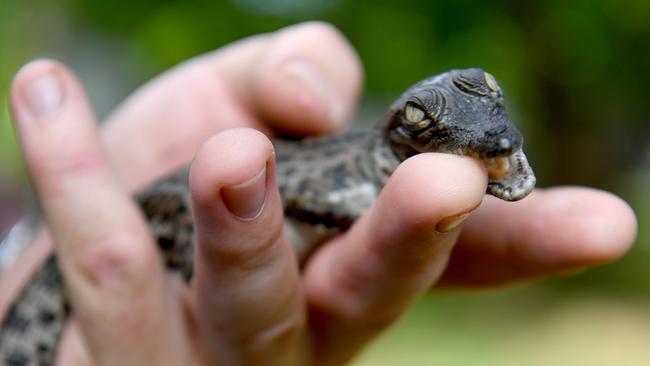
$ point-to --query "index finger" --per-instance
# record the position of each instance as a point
(301, 80)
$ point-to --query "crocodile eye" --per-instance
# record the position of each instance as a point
(415, 117)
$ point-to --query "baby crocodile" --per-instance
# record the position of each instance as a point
(326, 183)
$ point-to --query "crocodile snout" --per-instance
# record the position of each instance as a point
(494, 145)
(510, 176)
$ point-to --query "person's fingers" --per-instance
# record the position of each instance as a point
(364, 280)
(552, 231)
(160, 126)
(303, 79)
(111, 268)
(247, 282)
(71, 350)
(306, 80)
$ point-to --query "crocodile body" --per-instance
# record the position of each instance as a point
(326, 183)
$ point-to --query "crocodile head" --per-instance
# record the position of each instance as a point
(463, 112)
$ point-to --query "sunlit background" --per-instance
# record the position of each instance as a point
(577, 77)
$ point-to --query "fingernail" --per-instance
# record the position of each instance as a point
(314, 90)
(450, 223)
(43, 95)
(246, 200)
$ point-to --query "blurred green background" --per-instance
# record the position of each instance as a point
(577, 77)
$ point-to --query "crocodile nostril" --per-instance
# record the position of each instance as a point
(505, 143)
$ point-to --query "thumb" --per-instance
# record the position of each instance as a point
(365, 279)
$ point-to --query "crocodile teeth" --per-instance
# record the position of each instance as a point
(497, 167)
(510, 178)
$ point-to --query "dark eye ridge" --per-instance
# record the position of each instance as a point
(471, 86)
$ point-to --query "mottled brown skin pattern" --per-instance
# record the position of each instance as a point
(325, 182)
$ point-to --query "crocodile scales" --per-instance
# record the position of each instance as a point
(326, 183)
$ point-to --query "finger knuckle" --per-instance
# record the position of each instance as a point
(282, 334)
(55, 168)
(257, 249)
(111, 259)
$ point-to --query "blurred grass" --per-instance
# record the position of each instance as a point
(577, 79)
(516, 327)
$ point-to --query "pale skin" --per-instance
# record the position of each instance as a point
(249, 303)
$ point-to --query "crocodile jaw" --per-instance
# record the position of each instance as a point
(510, 177)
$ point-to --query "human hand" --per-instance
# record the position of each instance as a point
(350, 290)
